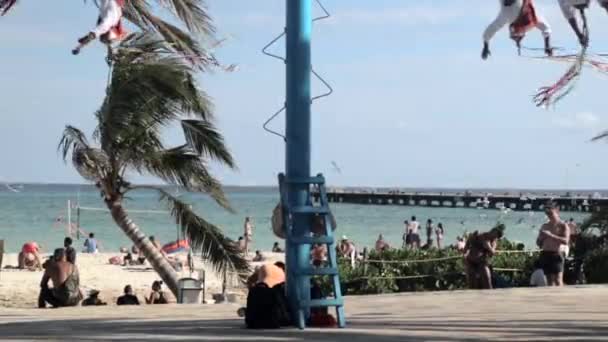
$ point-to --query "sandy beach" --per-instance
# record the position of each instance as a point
(19, 288)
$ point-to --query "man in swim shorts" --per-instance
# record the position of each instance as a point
(551, 237)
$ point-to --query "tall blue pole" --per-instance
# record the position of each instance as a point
(297, 159)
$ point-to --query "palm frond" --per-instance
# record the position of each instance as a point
(207, 141)
(6, 5)
(206, 238)
(92, 164)
(72, 139)
(140, 14)
(193, 13)
(182, 166)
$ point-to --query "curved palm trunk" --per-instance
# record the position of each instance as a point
(141, 241)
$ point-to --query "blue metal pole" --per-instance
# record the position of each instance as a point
(297, 159)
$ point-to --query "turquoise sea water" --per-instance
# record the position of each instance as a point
(32, 213)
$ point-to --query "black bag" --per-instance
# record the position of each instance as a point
(266, 307)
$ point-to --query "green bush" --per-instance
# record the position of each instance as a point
(596, 266)
(386, 277)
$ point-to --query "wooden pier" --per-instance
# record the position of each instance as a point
(467, 200)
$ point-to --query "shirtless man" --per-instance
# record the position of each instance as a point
(478, 251)
(569, 9)
(66, 283)
(551, 237)
(521, 16)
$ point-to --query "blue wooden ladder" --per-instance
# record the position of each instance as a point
(303, 305)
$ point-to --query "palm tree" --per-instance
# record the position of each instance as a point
(192, 14)
(151, 88)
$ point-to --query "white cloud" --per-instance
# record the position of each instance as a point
(581, 120)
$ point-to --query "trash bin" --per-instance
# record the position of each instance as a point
(189, 291)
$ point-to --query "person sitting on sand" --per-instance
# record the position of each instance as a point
(157, 296)
(258, 256)
(90, 244)
(128, 298)
(66, 282)
(70, 252)
(381, 245)
(479, 249)
(93, 299)
(29, 257)
(276, 248)
(266, 302)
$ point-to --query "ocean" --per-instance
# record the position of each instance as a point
(39, 212)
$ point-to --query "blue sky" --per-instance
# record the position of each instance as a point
(414, 105)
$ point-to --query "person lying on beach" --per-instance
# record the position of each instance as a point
(66, 282)
(128, 298)
(157, 296)
(479, 249)
(93, 299)
(29, 257)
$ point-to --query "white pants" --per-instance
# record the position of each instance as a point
(109, 16)
(507, 15)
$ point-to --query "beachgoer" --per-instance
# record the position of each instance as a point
(406, 235)
(258, 256)
(242, 244)
(479, 249)
(70, 252)
(66, 282)
(248, 233)
(157, 296)
(429, 231)
(439, 233)
(347, 249)
(381, 245)
(538, 276)
(573, 229)
(318, 254)
(29, 257)
(266, 302)
(109, 27)
(460, 243)
(128, 298)
(276, 248)
(522, 17)
(90, 244)
(551, 237)
(413, 228)
(569, 9)
(93, 299)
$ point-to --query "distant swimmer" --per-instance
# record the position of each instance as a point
(520, 221)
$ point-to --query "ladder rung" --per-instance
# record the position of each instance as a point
(309, 210)
(318, 271)
(315, 303)
(305, 180)
(309, 240)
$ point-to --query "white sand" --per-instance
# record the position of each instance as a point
(19, 288)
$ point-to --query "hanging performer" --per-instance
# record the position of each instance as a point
(109, 27)
(569, 8)
(522, 17)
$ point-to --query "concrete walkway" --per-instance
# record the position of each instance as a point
(546, 314)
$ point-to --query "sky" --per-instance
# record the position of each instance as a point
(413, 103)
